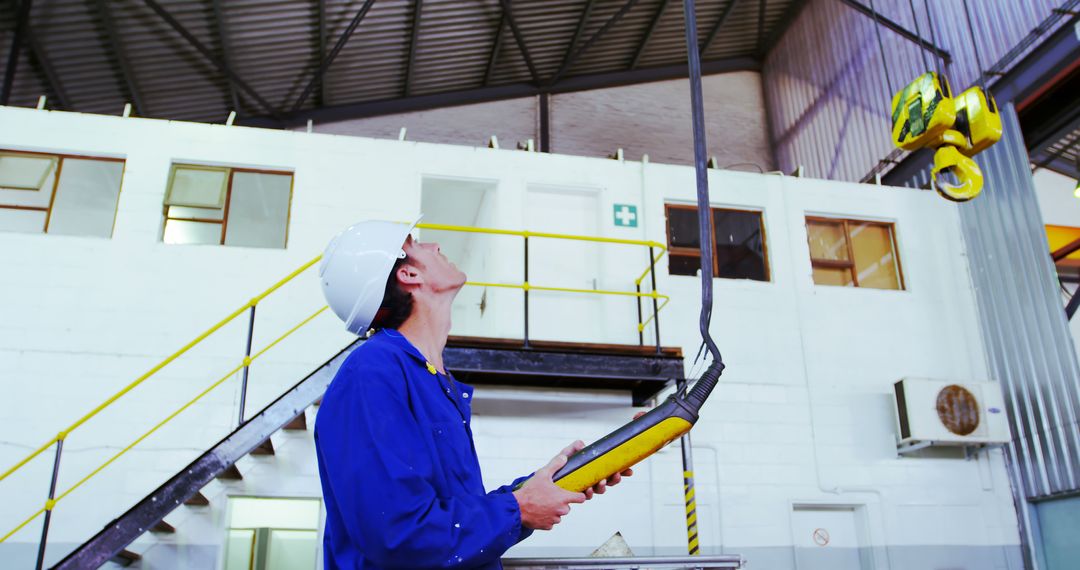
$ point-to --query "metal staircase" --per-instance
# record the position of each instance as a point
(252, 437)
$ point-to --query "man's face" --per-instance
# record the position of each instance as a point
(436, 271)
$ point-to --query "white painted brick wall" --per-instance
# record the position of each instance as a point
(803, 413)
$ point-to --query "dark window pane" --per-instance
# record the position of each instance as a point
(740, 250)
(682, 228)
(683, 264)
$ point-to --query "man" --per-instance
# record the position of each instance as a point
(399, 471)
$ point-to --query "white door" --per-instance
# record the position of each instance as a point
(563, 263)
(827, 538)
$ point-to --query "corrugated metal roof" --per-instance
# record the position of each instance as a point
(103, 53)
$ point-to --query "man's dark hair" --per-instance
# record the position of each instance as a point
(397, 303)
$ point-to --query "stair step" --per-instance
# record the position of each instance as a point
(162, 527)
(231, 473)
(126, 558)
(264, 448)
(197, 500)
(298, 423)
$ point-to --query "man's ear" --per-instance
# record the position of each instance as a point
(408, 275)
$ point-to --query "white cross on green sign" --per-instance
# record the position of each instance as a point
(626, 215)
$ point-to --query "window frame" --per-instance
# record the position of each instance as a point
(696, 252)
(849, 264)
(59, 158)
(224, 221)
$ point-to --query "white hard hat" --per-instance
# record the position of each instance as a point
(355, 268)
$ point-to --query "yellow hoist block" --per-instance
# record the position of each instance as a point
(926, 115)
(978, 119)
(922, 112)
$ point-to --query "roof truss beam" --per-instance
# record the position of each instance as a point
(648, 34)
(414, 34)
(329, 58)
(778, 31)
(118, 49)
(582, 22)
(614, 19)
(509, 14)
(715, 30)
(493, 58)
(226, 49)
(322, 100)
(22, 22)
(761, 25)
(48, 72)
(210, 56)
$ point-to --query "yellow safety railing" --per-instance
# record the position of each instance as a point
(246, 362)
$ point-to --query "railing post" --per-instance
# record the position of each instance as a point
(526, 339)
(655, 305)
(49, 504)
(640, 326)
(247, 363)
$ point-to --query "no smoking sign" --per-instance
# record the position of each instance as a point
(821, 537)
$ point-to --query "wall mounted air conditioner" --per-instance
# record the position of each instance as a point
(938, 412)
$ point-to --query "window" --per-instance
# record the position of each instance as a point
(738, 243)
(59, 194)
(272, 534)
(227, 206)
(854, 253)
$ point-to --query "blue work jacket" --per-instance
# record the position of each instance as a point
(399, 472)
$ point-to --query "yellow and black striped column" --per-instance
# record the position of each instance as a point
(691, 508)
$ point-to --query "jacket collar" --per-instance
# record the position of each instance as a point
(392, 336)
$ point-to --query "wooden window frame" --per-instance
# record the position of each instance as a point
(696, 252)
(849, 263)
(224, 221)
(59, 157)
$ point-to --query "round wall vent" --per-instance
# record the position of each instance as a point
(958, 409)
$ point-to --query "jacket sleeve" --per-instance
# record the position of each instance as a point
(378, 465)
(509, 489)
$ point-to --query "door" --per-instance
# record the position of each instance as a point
(561, 316)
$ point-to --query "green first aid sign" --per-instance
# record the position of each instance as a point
(626, 215)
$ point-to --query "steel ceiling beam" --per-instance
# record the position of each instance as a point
(509, 14)
(22, 22)
(117, 48)
(945, 56)
(414, 34)
(495, 47)
(329, 58)
(715, 30)
(582, 22)
(648, 34)
(226, 48)
(48, 72)
(761, 25)
(209, 55)
(614, 19)
(321, 6)
(499, 93)
(777, 33)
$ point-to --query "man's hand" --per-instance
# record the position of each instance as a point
(543, 504)
(602, 486)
